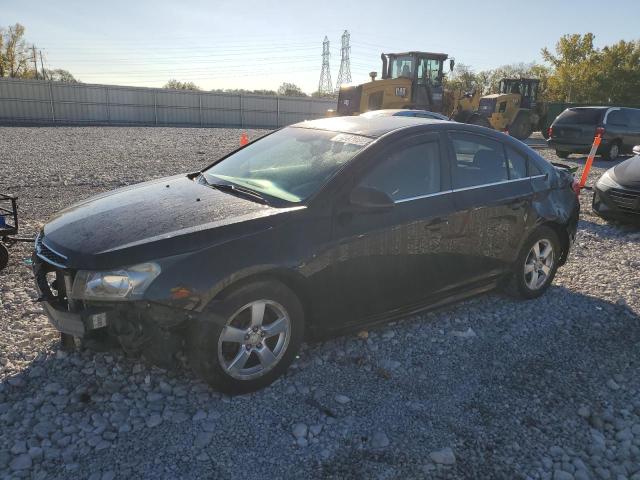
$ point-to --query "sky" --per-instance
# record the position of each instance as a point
(260, 44)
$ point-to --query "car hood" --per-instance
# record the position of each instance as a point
(153, 220)
(627, 173)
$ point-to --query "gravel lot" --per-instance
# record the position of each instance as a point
(490, 388)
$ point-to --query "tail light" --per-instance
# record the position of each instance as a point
(575, 186)
(599, 131)
(550, 132)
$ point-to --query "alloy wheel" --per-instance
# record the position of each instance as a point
(254, 340)
(538, 264)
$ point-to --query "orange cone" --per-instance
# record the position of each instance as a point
(244, 139)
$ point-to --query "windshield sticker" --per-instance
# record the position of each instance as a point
(352, 139)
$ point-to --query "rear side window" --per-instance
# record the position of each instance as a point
(580, 116)
(517, 164)
(408, 172)
(479, 161)
(634, 117)
(617, 117)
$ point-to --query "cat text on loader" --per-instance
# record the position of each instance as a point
(515, 109)
(409, 80)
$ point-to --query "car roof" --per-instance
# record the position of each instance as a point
(395, 111)
(369, 127)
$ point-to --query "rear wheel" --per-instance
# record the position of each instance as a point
(536, 265)
(4, 257)
(480, 121)
(248, 339)
(562, 154)
(613, 152)
(521, 127)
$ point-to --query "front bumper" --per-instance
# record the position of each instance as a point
(618, 204)
(76, 324)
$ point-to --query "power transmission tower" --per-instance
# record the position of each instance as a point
(344, 76)
(324, 87)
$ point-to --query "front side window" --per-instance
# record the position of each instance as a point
(408, 172)
(617, 117)
(479, 161)
(429, 71)
(402, 67)
(291, 164)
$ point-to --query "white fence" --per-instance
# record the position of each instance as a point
(42, 102)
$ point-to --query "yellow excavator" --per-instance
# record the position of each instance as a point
(514, 109)
(409, 80)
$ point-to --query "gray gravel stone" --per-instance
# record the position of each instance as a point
(379, 440)
(342, 399)
(21, 462)
(443, 457)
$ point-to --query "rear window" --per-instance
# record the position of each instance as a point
(581, 116)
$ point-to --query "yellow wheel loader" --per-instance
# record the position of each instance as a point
(409, 80)
(515, 109)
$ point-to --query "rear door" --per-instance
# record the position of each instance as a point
(617, 127)
(492, 194)
(634, 125)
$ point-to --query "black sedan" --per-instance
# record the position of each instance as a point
(315, 229)
(616, 195)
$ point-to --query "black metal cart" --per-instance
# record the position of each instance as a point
(8, 227)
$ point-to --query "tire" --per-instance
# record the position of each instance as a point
(522, 283)
(4, 257)
(232, 317)
(613, 151)
(562, 154)
(521, 127)
(480, 121)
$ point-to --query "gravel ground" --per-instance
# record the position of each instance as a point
(489, 388)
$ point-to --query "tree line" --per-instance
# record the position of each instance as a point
(18, 60)
(575, 72)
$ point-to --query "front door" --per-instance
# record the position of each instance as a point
(390, 259)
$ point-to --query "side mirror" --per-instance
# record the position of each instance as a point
(452, 63)
(636, 149)
(370, 198)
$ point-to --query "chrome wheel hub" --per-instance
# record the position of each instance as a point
(254, 340)
(538, 264)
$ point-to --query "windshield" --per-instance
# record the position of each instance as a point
(290, 164)
(581, 116)
(429, 71)
(402, 66)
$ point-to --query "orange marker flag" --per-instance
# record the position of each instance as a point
(244, 139)
(592, 154)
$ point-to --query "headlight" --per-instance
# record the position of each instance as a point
(607, 181)
(123, 284)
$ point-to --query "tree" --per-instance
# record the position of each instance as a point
(15, 59)
(60, 75)
(178, 85)
(319, 94)
(290, 90)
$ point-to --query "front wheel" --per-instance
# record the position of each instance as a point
(613, 152)
(536, 265)
(247, 339)
(4, 257)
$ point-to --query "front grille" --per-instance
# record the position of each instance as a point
(627, 200)
(49, 255)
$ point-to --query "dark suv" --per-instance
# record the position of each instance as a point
(574, 129)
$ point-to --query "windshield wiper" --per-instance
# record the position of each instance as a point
(247, 192)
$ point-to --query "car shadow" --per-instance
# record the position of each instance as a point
(460, 375)
(598, 161)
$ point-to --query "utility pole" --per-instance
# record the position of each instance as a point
(44, 75)
(35, 60)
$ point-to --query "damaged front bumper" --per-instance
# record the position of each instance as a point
(140, 327)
